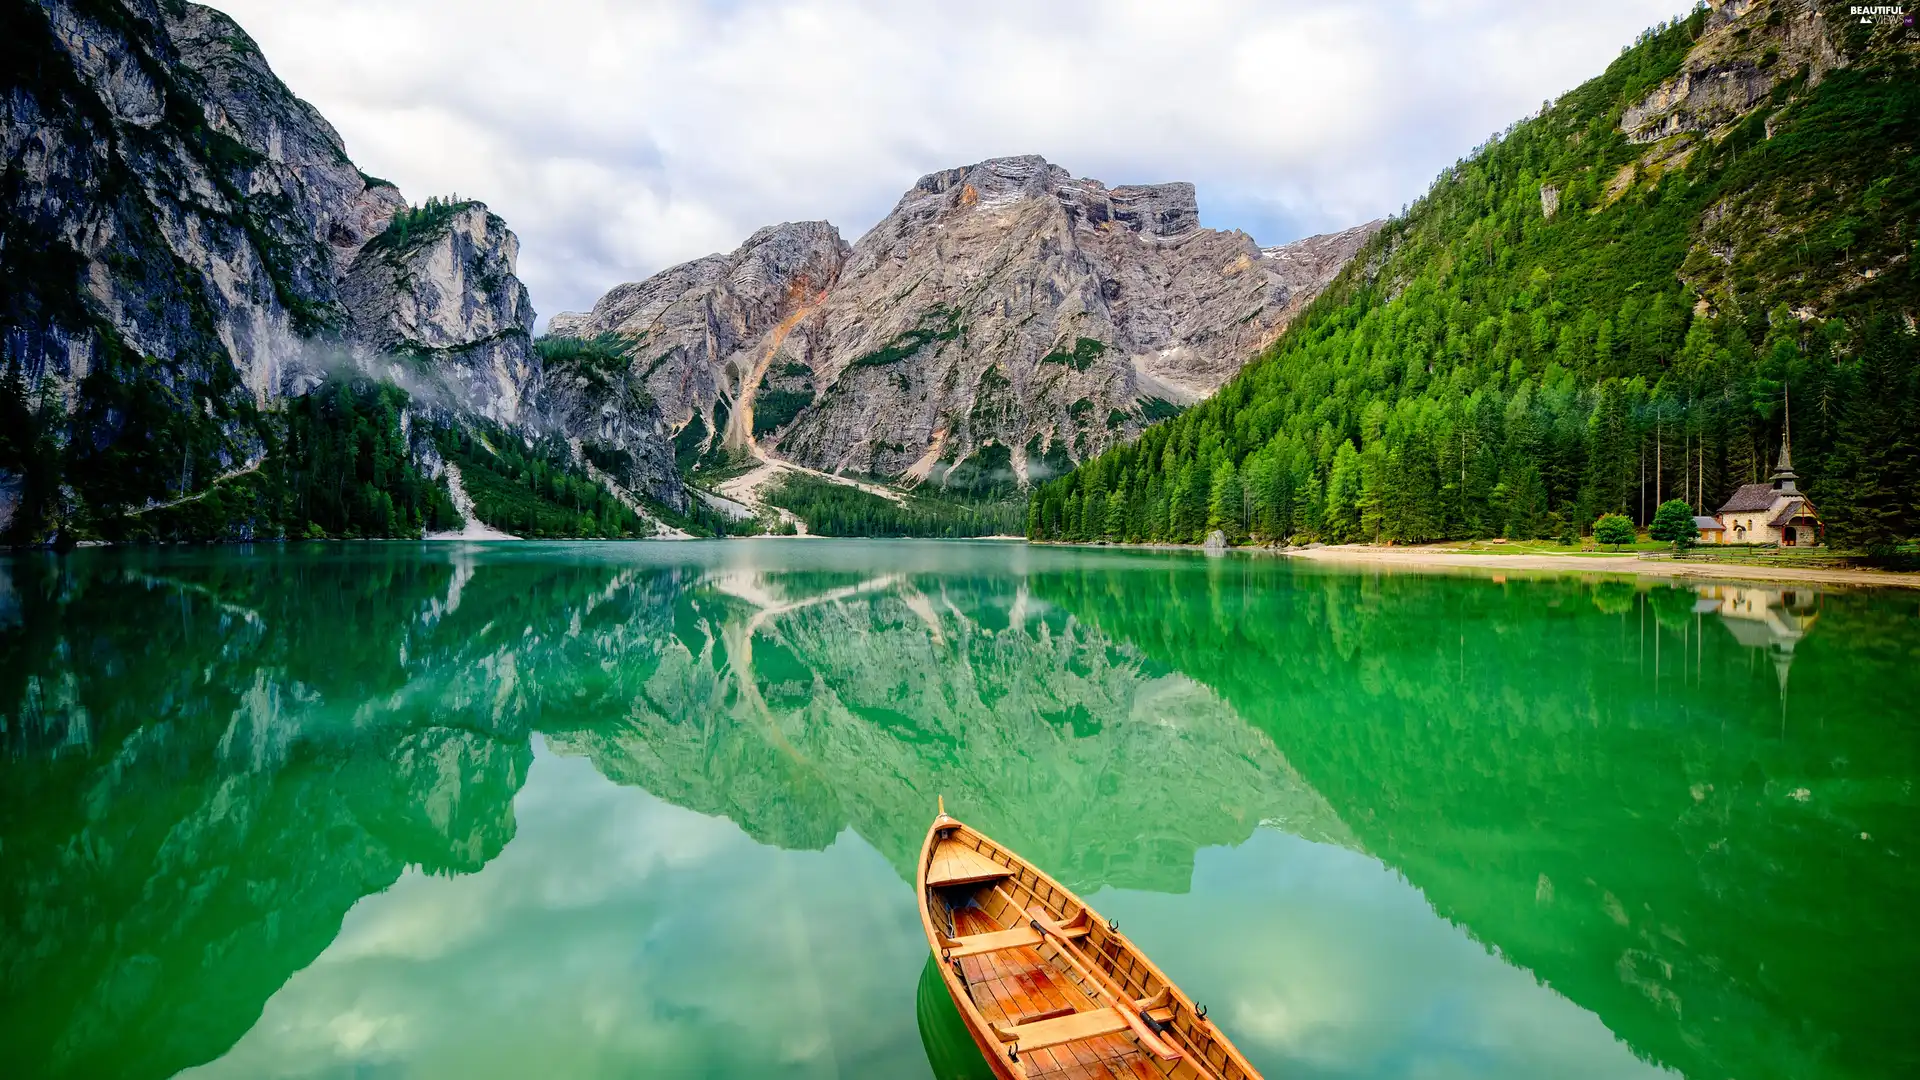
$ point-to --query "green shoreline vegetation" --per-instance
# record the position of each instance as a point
(334, 463)
(535, 491)
(338, 463)
(832, 509)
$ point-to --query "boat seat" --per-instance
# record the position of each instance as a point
(954, 863)
(1020, 937)
(1157, 1008)
(1044, 1033)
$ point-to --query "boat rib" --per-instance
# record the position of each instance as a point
(1046, 987)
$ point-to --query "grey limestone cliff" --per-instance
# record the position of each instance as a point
(615, 425)
(704, 330)
(1737, 63)
(448, 295)
(1007, 312)
(185, 244)
(1777, 66)
(195, 211)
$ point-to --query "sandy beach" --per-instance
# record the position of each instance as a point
(1436, 559)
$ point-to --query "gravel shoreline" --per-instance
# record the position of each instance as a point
(1429, 559)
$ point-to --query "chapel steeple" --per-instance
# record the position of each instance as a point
(1784, 478)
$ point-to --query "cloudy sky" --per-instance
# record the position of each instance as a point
(619, 137)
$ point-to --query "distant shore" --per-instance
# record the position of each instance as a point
(1589, 563)
(1446, 559)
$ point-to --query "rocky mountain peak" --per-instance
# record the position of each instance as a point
(1005, 313)
(245, 101)
(756, 277)
(702, 329)
(1015, 173)
(1012, 309)
(1153, 210)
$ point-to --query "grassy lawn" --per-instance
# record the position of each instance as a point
(1585, 547)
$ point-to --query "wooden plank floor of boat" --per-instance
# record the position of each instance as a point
(1012, 984)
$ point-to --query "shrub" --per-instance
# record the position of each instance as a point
(1614, 529)
(1674, 522)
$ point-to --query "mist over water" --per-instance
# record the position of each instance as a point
(598, 809)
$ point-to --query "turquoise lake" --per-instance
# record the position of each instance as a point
(651, 809)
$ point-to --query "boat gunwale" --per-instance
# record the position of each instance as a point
(977, 1024)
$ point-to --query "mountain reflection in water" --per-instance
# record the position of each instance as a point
(211, 758)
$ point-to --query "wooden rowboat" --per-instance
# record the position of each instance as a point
(1046, 986)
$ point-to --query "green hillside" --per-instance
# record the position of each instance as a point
(1605, 306)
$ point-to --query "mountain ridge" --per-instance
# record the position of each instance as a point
(1005, 309)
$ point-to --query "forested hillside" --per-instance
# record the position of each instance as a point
(1607, 305)
(830, 509)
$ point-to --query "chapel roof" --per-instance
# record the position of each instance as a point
(1794, 509)
(1751, 497)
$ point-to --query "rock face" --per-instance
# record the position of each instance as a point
(705, 329)
(185, 243)
(1766, 59)
(614, 424)
(1006, 315)
(1306, 266)
(1744, 51)
(190, 208)
(449, 295)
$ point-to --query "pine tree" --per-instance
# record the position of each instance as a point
(1523, 503)
(1873, 467)
(1224, 500)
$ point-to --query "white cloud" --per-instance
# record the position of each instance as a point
(620, 138)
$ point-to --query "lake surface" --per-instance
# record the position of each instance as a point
(625, 810)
